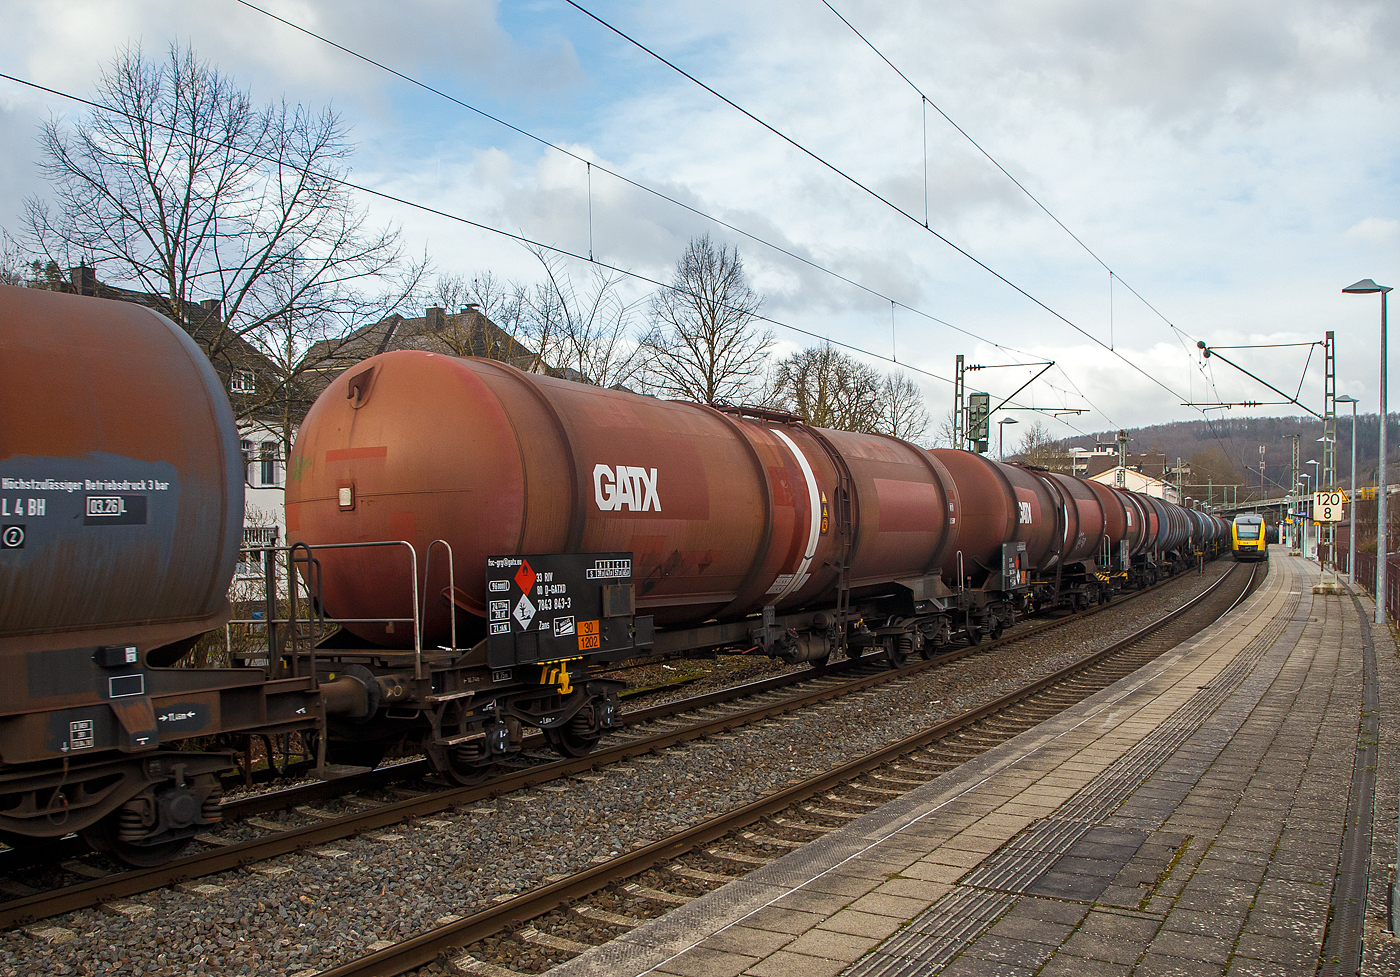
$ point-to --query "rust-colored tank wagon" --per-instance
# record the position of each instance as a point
(995, 504)
(1115, 513)
(735, 530)
(1141, 512)
(1084, 574)
(905, 519)
(724, 514)
(121, 505)
(1176, 526)
(121, 484)
(1084, 522)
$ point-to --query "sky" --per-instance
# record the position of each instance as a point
(1217, 170)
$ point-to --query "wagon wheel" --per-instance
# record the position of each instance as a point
(576, 739)
(928, 649)
(102, 836)
(898, 648)
(467, 766)
(974, 632)
(470, 774)
(568, 743)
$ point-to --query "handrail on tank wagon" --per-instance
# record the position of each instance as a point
(415, 620)
(270, 586)
(451, 585)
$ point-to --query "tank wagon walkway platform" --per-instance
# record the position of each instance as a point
(1189, 820)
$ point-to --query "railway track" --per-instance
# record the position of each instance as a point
(725, 848)
(713, 713)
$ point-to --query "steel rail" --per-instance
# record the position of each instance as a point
(429, 946)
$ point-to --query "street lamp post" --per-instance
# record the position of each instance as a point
(1368, 287)
(1001, 436)
(1351, 499)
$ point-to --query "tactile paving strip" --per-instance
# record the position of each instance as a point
(939, 933)
(1017, 864)
(935, 936)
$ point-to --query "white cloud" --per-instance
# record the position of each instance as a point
(1375, 230)
(1215, 154)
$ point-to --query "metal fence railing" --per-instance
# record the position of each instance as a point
(1366, 579)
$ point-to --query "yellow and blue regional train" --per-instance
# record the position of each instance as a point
(1249, 537)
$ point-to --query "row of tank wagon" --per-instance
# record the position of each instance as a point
(442, 511)
(739, 529)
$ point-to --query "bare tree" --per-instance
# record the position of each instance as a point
(701, 343)
(493, 317)
(905, 415)
(13, 270)
(585, 332)
(180, 187)
(945, 434)
(1039, 448)
(828, 388)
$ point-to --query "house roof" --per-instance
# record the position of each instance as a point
(465, 333)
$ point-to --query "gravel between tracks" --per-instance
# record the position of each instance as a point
(318, 910)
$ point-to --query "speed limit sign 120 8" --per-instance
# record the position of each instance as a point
(1327, 506)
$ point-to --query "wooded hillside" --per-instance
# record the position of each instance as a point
(1226, 450)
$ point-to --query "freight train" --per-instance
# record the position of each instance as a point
(482, 546)
(613, 526)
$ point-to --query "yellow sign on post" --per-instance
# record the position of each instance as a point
(1327, 506)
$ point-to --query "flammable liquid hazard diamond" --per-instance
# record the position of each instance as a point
(524, 612)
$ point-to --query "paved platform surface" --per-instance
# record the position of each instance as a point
(1186, 821)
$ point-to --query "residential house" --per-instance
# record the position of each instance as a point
(1136, 481)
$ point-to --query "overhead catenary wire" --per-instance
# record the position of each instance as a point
(635, 184)
(993, 160)
(873, 193)
(925, 101)
(457, 218)
(591, 165)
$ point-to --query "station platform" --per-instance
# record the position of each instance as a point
(1229, 809)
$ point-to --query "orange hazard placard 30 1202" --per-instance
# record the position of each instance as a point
(587, 635)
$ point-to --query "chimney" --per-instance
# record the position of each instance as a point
(213, 310)
(83, 279)
(436, 318)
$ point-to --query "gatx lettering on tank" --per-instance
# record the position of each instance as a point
(625, 486)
